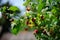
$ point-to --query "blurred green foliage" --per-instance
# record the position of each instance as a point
(42, 16)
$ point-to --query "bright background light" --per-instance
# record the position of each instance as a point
(18, 3)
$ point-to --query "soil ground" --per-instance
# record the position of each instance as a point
(24, 35)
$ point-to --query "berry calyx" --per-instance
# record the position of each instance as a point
(35, 31)
(26, 29)
(33, 19)
(28, 8)
(27, 22)
(44, 32)
(11, 20)
(42, 17)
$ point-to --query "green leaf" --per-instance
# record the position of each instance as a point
(4, 9)
(40, 6)
(14, 31)
(14, 9)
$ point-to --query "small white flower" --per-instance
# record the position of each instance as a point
(44, 10)
(11, 15)
(12, 25)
